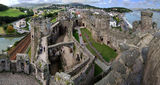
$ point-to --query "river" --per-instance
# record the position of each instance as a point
(5, 42)
(136, 15)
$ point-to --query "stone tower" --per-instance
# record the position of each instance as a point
(35, 36)
(101, 27)
(146, 20)
(102, 22)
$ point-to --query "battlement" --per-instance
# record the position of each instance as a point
(146, 13)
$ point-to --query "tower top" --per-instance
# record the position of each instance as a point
(147, 13)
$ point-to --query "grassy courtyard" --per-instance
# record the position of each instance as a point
(75, 34)
(97, 70)
(107, 52)
(11, 13)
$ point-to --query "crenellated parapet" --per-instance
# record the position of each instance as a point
(146, 20)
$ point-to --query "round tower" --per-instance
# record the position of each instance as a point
(146, 20)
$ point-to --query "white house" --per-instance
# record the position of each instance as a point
(21, 23)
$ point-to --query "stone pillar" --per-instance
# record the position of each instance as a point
(1, 67)
(18, 66)
(146, 20)
(7, 65)
(26, 67)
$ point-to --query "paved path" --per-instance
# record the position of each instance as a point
(44, 54)
(80, 37)
(103, 66)
(17, 79)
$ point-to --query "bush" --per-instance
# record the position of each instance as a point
(10, 29)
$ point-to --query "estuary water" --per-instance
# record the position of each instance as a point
(6, 42)
(136, 15)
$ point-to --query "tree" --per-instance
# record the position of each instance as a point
(3, 7)
(10, 29)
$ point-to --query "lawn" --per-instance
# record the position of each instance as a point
(107, 52)
(97, 70)
(54, 20)
(11, 13)
(2, 31)
(75, 34)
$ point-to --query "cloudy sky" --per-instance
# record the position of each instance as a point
(98, 3)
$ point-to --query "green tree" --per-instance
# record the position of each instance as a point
(10, 29)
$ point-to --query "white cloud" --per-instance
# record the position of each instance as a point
(110, 1)
(100, 3)
(9, 2)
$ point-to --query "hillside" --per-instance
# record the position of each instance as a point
(11, 13)
(117, 9)
(3, 7)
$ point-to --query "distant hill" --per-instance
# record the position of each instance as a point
(76, 5)
(117, 9)
(81, 5)
(3, 7)
(31, 5)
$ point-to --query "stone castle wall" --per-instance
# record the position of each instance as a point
(102, 32)
(19, 65)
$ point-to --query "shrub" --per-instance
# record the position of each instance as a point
(10, 29)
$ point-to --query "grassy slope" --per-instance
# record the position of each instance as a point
(107, 52)
(97, 70)
(75, 34)
(11, 13)
(2, 31)
(29, 53)
(54, 20)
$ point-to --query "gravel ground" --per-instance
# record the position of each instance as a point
(17, 79)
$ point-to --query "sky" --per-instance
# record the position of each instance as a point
(98, 3)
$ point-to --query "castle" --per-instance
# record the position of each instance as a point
(57, 58)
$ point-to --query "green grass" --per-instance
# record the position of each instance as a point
(97, 70)
(75, 34)
(107, 52)
(2, 30)
(118, 28)
(11, 13)
(29, 53)
(54, 20)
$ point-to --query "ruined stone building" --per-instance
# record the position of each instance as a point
(20, 65)
(55, 53)
(57, 58)
(132, 47)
